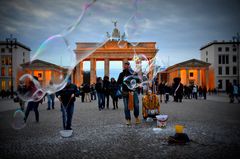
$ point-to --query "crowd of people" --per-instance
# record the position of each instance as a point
(117, 89)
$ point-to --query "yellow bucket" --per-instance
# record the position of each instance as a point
(179, 128)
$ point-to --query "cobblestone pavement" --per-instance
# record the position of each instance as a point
(213, 125)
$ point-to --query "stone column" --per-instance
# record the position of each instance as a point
(92, 71)
(199, 80)
(187, 73)
(207, 78)
(80, 71)
(179, 72)
(106, 67)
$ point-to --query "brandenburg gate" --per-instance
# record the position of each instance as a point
(110, 51)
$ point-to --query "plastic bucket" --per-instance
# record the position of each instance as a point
(161, 120)
(179, 128)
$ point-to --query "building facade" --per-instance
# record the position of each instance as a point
(224, 59)
(10, 60)
(191, 72)
(44, 71)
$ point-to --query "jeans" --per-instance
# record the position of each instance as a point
(136, 106)
(30, 106)
(106, 96)
(101, 100)
(50, 98)
(67, 113)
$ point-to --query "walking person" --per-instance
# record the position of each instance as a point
(235, 92)
(204, 92)
(106, 89)
(113, 92)
(87, 90)
(100, 93)
(32, 105)
(125, 92)
(67, 97)
(51, 98)
(167, 91)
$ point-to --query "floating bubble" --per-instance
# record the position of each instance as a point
(18, 120)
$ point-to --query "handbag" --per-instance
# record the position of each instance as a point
(118, 94)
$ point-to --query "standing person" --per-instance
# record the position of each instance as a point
(67, 98)
(167, 91)
(32, 105)
(106, 89)
(161, 91)
(100, 93)
(195, 92)
(177, 89)
(125, 93)
(93, 92)
(82, 92)
(200, 92)
(235, 92)
(113, 92)
(204, 91)
(87, 91)
(51, 98)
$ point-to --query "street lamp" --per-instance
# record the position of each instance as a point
(10, 44)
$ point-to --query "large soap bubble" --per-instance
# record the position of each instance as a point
(18, 120)
(59, 50)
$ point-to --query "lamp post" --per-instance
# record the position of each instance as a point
(236, 41)
(10, 44)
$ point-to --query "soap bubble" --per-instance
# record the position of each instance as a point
(18, 120)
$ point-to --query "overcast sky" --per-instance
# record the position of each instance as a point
(180, 27)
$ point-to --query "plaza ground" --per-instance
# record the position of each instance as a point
(213, 125)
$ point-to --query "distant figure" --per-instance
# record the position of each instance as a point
(200, 92)
(167, 91)
(204, 91)
(67, 98)
(93, 92)
(113, 92)
(161, 90)
(106, 88)
(195, 90)
(100, 93)
(51, 98)
(235, 93)
(82, 92)
(86, 89)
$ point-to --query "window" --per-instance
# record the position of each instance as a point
(219, 49)
(219, 59)
(2, 71)
(10, 50)
(219, 84)
(227, 49)
(9, 60)
(234, 58)
(191, 74)
(234, 49)
(227, 59)
(223, 59)
(3, 85)
(9, 71)
(206, 59)
(3, 61)
(2, 50)
(234, 70)
(227, 83)
(23, 60)
(227, 70)
(23, 54)
(206, 53)
(219, 70)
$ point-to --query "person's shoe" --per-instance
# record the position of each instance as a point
(128, 122)
(138, 120)
(48, 108)
(52, 107)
